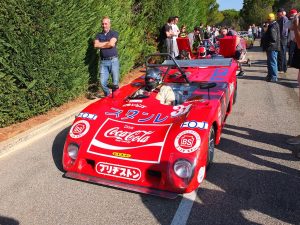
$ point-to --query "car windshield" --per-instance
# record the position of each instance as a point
(180, 69)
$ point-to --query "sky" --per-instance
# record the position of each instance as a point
(230, 4)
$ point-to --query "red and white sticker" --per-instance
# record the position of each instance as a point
(79, 129)
(187, 141)
(201, 174)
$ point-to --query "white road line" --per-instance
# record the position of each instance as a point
(184, 209)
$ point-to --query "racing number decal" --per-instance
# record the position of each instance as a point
(219, 74)
(180, 110)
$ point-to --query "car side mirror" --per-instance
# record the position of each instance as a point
(207, 85)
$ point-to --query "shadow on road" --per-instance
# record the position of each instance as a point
(247, 196)
(234, 194)
(58, 147)
(8, 221)
(274, 139)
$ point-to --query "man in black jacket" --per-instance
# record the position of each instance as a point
(271, 44)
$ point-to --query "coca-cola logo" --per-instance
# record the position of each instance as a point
(139, 136)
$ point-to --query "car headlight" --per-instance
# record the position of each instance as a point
(73, 150)
(183, 168)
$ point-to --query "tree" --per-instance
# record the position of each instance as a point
(286, 4)
(256, 11)
(231, 18)
(214, 16)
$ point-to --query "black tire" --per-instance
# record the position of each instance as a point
(211, 147)
(241, 74)
(249, 62)
(234, 95)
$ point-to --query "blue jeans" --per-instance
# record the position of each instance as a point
(109, 67)
(272, 65)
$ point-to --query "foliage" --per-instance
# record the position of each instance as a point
(46, 46)
(213, 14)
(231, 18)
(255, 11)
(286, 4)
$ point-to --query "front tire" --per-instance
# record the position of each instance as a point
(211, 147)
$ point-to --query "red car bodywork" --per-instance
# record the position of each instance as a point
(133, 143)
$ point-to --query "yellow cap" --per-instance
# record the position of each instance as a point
(271, 16)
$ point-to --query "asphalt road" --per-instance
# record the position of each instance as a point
(255, 178)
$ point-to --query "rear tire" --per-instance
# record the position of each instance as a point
(234, 95)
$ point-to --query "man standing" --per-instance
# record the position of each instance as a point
(194, 38)
(283, 25)
(176, 32)
(291, 37)
(106, 41)
(296, 64)
(168, 35)
(254, 31)
(271, 44)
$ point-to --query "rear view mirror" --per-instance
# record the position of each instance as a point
(207, 85)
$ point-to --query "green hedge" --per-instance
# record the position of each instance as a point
(46, 52)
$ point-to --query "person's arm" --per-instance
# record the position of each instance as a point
(273, 33)
(169, 33)
(107, 44)
(296, 28)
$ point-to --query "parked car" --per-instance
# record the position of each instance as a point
(134, 142)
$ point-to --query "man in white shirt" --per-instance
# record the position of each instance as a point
(176, 32)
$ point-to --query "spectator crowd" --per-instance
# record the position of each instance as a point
(279, 34)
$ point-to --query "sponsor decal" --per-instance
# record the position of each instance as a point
(143, 142)
(219, 115)
(194, 124)
(134, 105)
(139, 136)
(79, 129)
(187, 141)
(231, 88)
(136, 100)
(113, 170)
(132, 114)
(201, 173)
(121, 154)
(180, 110)
(89, 116)
(219, 74)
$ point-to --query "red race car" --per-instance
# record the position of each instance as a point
(131, 140)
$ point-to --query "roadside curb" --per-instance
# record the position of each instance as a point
(42, 129)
